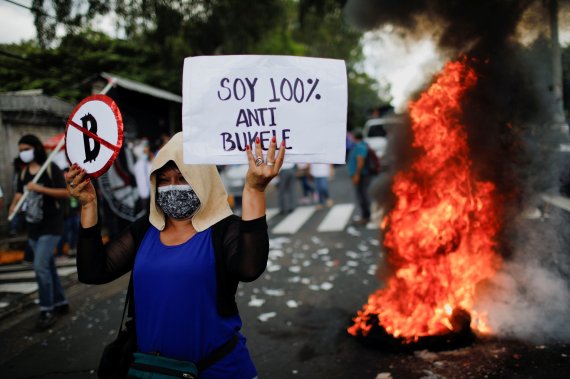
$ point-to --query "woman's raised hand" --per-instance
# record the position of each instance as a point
(261, 170)
(79, 185)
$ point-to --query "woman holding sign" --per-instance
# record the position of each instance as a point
(187, 258)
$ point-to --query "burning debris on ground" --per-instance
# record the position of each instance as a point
(441, 232)
(460, 336)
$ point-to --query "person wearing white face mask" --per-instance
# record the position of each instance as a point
(44, 217)
(141, 172)
(187, 258)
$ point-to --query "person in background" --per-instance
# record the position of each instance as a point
(360, 177)
(565, 178)
(142, 175)
(1, 200)
(17, 224)
(44, 217)
(307, 189)
(286, 188)
(70, 214)
(349, 143)
(321, 172)
(187, 257)
(161, 141)
(70, 226)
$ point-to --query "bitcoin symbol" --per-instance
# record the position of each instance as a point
(90, 154)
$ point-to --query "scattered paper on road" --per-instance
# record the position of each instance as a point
(266, 316)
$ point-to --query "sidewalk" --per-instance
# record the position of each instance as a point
(12, 249)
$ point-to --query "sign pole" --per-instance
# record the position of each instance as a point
(104, 91)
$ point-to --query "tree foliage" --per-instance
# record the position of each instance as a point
(158, 34)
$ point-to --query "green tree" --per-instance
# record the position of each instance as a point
(64, 71)
(324, 32)
(158, 35)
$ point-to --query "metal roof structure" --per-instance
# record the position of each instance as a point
(34, 101)
(140, 87)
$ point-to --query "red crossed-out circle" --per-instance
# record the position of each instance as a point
(116, 148)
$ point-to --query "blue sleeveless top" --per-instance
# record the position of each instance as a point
(175, 305)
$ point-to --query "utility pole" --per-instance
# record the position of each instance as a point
(559, 116)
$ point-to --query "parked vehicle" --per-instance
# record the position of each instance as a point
(375, 134)
(233, 177)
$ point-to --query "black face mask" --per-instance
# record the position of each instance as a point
(178, 201)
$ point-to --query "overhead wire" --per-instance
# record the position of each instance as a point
(41, 11)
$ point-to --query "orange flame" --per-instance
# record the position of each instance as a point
(440, 234)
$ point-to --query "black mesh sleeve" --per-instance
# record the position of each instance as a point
(246, 245)
(99, 263)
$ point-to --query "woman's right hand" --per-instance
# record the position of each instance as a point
(79, 185)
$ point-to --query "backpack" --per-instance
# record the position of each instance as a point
(372, 162)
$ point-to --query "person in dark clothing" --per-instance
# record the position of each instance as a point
(1, 200)
(565, 178)
(44, 217)
(360, 176)
(187, 256)
(17, 225)
(70, 227)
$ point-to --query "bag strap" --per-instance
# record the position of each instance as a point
(140, 229)
(128, 298)
(218, 353)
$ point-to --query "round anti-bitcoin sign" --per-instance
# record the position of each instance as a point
(94, 134)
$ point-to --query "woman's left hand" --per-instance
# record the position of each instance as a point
(261, 170)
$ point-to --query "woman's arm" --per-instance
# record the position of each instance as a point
(98, 263)
(79, 186)
(58, 193)
(246, 243)
(56, 188)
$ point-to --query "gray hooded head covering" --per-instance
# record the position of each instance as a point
(205, 181)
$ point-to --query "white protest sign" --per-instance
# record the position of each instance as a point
(229, 101)
(94, 134)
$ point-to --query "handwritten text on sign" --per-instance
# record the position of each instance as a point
(230, 101)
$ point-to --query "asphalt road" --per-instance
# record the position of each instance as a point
(295, 318)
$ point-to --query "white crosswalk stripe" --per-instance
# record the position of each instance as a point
(64, 271)
(20, 280)
(270, 213)
(294, 221)
(337, 218)
(23, 288)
